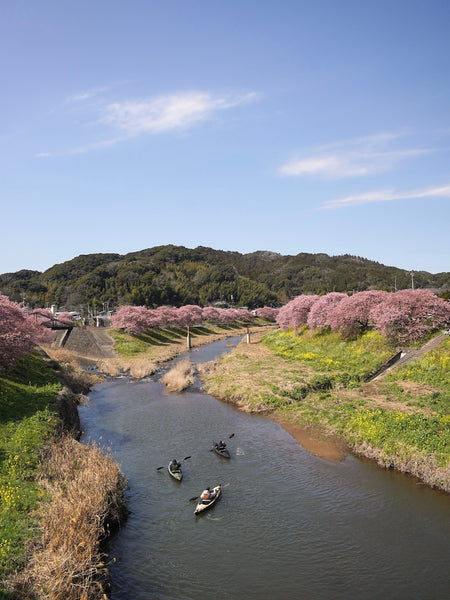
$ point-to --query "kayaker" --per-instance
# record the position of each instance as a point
(175, 465)
(206, 496)
(221, 445)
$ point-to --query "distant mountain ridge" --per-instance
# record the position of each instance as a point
(176, 275)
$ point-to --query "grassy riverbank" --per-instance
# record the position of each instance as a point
(51, 489)
(140, 355)
(318, 382)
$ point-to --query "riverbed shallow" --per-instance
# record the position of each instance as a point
(289, 524)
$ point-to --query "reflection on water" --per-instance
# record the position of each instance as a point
(288, 525)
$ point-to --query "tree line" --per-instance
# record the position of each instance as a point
(403, 317)
(179, 276)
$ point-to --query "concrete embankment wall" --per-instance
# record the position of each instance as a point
(408, 355)
(90, 343)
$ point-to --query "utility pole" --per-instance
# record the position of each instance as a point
(188, 337)
(412, 280)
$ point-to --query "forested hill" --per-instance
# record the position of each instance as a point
(176, 275)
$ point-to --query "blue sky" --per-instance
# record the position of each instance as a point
(290, 126)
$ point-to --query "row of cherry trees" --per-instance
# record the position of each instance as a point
(138, 319)
(21, 330)
(403, 317)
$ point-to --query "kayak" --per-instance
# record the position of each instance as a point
(206, 504)
(175, 473)
(221, 451)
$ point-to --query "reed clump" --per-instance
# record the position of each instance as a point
(134, 367)
(180, 377)
(86, 490)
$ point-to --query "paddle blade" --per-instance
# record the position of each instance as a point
(186, 457)
(193, 498)
(230, 436)
(159, 468)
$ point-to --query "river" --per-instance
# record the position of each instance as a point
(289, 525)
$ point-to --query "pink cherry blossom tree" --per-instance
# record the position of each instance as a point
(267, 312)
(244, 315)
(133, 319)
(318, 315)
(167, 315)
(228, 315)
(211, 314)
(43, 315)
(190, 314)
(409, 315)
(65, 317)
(352, 315)
(19, 333)
(295, 313)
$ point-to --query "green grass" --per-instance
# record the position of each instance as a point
(432, 369)
(131, 346)
(127, 345)
(399, 433)
(26, 423)
(347, 363)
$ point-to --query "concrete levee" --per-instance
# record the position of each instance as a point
(91, 343)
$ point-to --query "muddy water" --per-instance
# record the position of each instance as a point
(289, 524)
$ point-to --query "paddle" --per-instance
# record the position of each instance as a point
(193, 498)
(159, 468)
(230, 436)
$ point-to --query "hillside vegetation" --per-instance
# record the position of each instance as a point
(175, 275)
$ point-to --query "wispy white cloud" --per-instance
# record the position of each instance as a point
(88, 95)
(84, 149)
(165, 113)
(350, 158)
(387, 196)
(149, 116)
(330, 165)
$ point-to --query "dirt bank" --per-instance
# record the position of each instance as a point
(315, 441)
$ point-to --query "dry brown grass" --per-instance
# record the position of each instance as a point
(248, 373)
(135, 367)
(72, 374)
(86, 489)
(180, 377)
